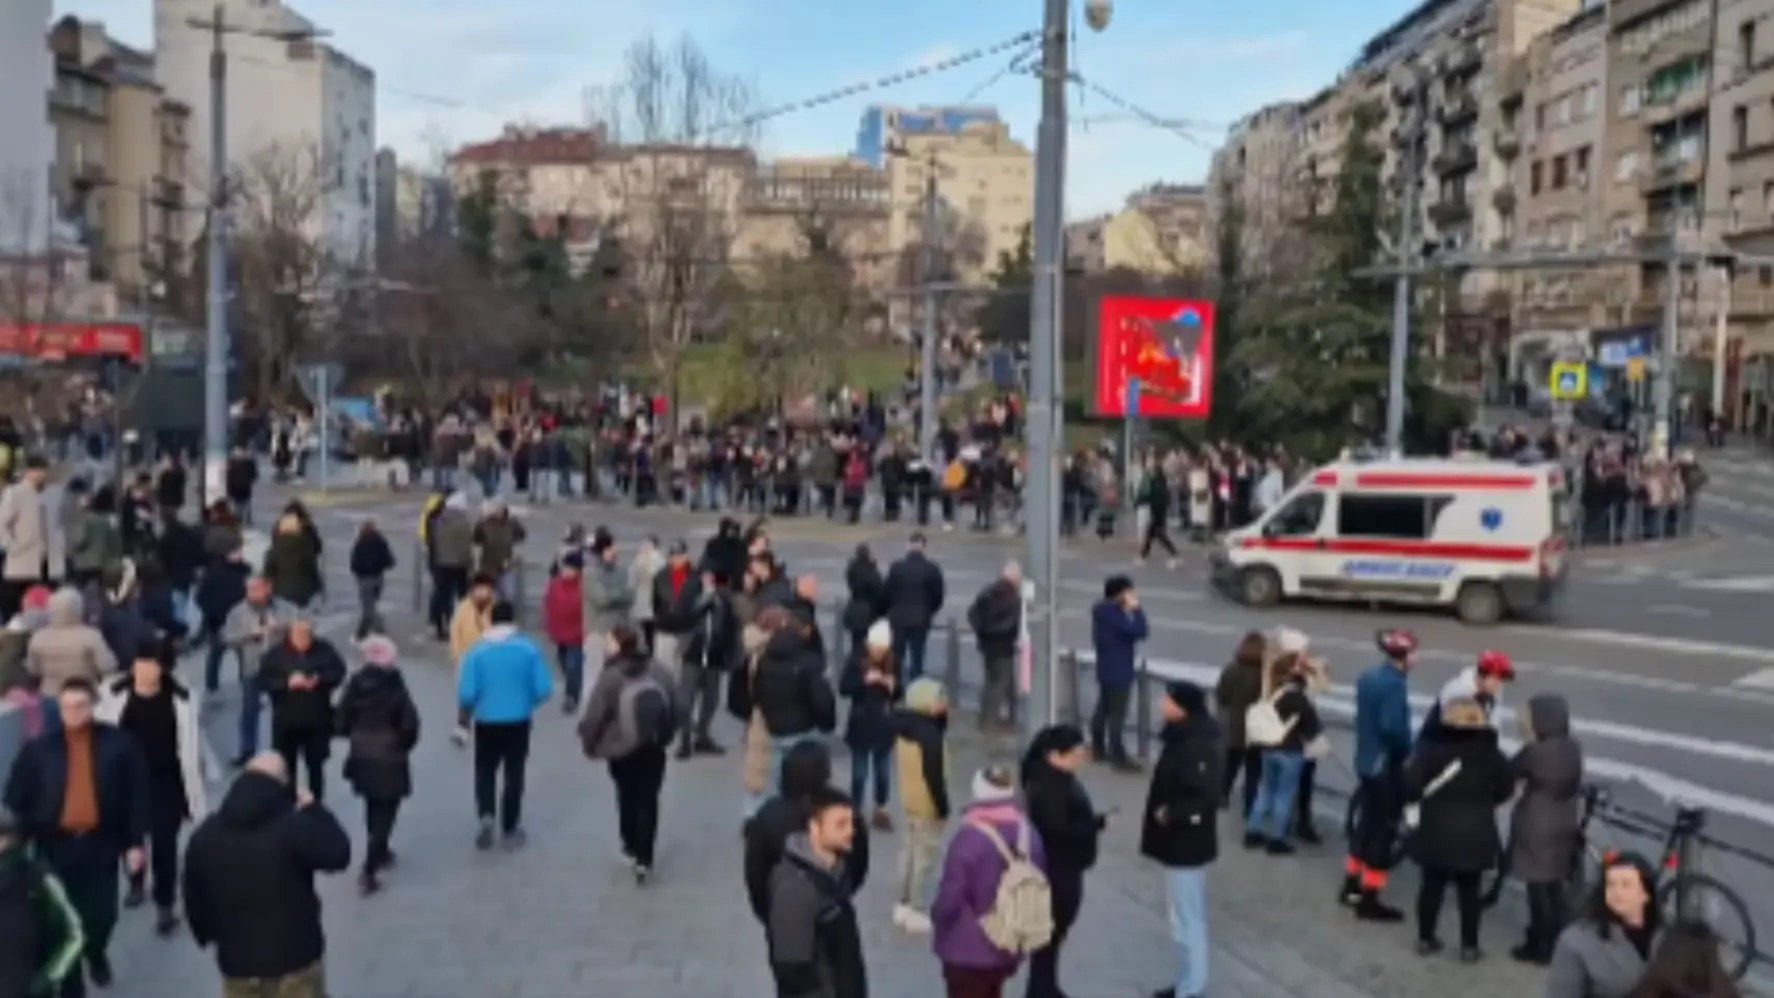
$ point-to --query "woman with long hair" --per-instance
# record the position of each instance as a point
(1062, 814)
(1270, 820)
(1241, 685)
(1604, 953)
(1686, 965)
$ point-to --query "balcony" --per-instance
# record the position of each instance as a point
(1457, 106)
(170, 193)
(1451, 209)
(1465, 58)
(1512, 83)
(89, 175)
(1752, 302)
(1628, 11)
(1503, 198)
(1457, 157)
(1506, 143)
(1662, 176)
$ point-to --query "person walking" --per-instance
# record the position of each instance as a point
(220, 588)
(253, 627)
(867, 600)
(471, 621)
(1457, 777)
(1069, 827)
(1154, 494)
(993, 903)
(249, 884)
(81, 795)
(499, 535)
(1239, 688)
(806, 773)
(292, 562)
(66, 648)
(563, 620)
(609, 599)
(371, 561)
(449, 547)
(1117, 628)
(1179, 828)
(1543, 826)
(789, 688)
(630, 720)
(915, 592)
(380, 724)
(30, 535)
(996, 620)
(921, 756)
(710, 650)
(504, 680)
(814, 942)
(156, 711)
(871, 682)
(299, 676)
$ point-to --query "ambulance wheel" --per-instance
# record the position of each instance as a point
(1479, 603)
(1259, 586)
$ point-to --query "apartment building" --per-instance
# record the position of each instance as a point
(1254, 166)
(409, 202)
(849, 199)
(544, 172)
(26, 69)
(1162, 229)
(883, 126)
(985, 179)
(121, 152)
(291, 99)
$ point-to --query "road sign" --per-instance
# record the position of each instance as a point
(1570, 381)
(1635, 369)
(318, 381)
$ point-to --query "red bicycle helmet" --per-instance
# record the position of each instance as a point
(1396, 643)
(1496, 665)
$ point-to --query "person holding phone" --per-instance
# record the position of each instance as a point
(1069, 826)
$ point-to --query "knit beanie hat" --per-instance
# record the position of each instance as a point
(880, 636)
(993, 784)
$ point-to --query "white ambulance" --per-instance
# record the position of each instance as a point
(1485, 538)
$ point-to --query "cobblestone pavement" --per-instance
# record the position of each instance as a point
(561, 918)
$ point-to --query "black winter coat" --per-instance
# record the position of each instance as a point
(307, 710)
(249, 878)
(181, 552)
(789, 688)
(371, 557)
(1061, 812)
(1179, 827)
(868, 728)
(868, 595)
(915, 593)
(1457, 830)
(380, 725)
(996, 618)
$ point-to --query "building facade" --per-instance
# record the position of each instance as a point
(985, 183)
(842, 196)
(290, 99)
(27, 154)
(1162, 229)
(884, 125)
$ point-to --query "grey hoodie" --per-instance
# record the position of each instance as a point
(249, 630)
(809, 912)
(67, 647)
(1549, 769)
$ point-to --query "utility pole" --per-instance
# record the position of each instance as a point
(1042, 498)
(1663, 389)
(1411, 168)
(927, 365)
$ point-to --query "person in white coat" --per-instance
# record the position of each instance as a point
(154, 709)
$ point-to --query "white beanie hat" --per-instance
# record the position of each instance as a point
(1289, 641)
(880, 636)
(993, 784)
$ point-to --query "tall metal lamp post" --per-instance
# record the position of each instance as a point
(1046, 415)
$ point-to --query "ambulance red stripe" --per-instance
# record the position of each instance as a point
(1366, 547)
(1420, 480)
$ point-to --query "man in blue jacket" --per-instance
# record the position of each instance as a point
(1117, 626)
(1382, 743)
(505, 678)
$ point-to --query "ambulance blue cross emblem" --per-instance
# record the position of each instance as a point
(1491, 518)
(1568, 383)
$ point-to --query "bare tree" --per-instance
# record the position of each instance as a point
(682, 153)
(438, 315)
(288, 288)
(31, 268)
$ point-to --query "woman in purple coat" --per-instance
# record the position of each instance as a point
(972, 965)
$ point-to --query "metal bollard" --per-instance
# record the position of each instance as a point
(952, 666)
(520, 588)
(1071, 710)
(1142, 708)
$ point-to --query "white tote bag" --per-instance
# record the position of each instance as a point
(1413, 813)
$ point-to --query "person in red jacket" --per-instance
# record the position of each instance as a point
(563, 618)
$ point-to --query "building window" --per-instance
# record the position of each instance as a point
(1626, 166)
(1534, 177)
(1736, 209)
(1559, 176)
(1746, 44)
(1676, 80)
(1740, 128)
(1629, 100)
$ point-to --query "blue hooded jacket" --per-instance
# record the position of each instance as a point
(505, 677)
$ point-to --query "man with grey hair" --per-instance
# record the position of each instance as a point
(996, 619)
(252, 627)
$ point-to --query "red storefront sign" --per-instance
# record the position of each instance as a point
(61, 340)
(1153, 358)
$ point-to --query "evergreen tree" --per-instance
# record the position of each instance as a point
(1003, 318)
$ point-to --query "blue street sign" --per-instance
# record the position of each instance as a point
(1570, 381)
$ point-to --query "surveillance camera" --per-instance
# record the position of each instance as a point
(1097, 13)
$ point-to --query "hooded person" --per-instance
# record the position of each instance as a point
(1543, 825)
(630, 719)
(379, 722)
(806, 770)
(993, 843)
(725, 554)
(921, 757)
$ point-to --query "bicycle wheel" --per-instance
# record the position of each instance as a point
(1352, 816)
(1721, 908)
(1493, 881)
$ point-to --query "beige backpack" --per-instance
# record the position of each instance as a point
(1021, 918)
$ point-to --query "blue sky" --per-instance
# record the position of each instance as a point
(452, 71)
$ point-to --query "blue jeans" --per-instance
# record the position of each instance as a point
(908, 647)
(572, 662)
(212, 662)
(864, 762)
(1271, 814)
(1185, 891)
(251, 703)
(779, 749)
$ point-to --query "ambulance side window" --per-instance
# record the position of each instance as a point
(1299, 518)
(1399, 517)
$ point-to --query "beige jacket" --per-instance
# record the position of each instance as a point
(67, 647)
(31, 534)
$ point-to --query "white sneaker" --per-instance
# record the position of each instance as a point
(1174, 564)
(900, 911)
(916, 922)
(459, 736)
